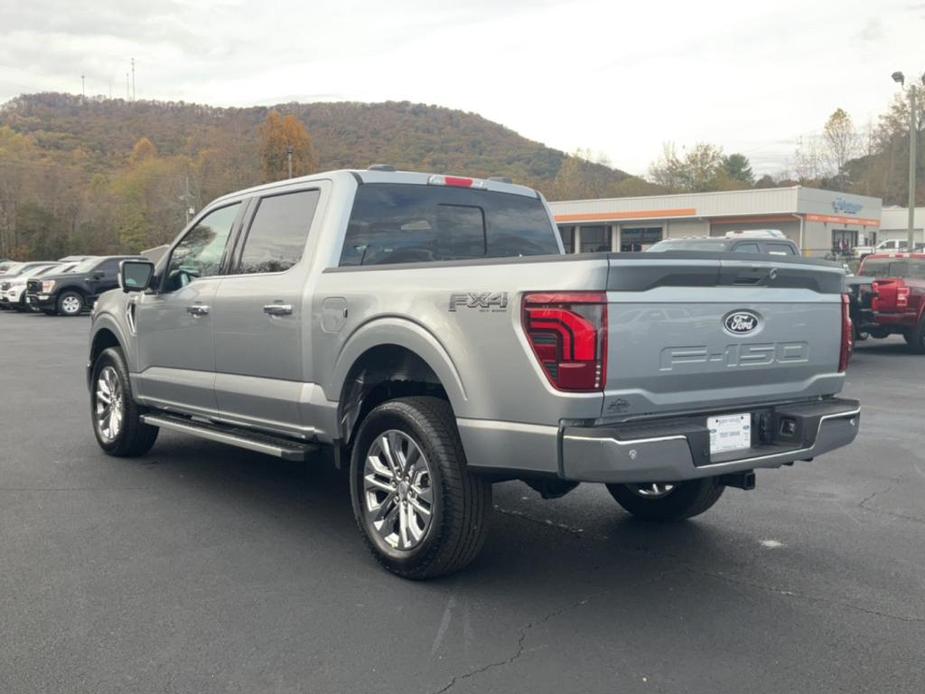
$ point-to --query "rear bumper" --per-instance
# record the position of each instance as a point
(679, 448)
(897, 322)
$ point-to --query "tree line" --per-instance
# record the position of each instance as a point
(108, 176)
(873, 161)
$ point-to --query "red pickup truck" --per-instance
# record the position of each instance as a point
(894, 301)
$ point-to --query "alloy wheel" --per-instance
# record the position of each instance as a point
(397, 490)
(653, 490)
(110, 405)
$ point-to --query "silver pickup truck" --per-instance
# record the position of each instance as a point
(430, 331)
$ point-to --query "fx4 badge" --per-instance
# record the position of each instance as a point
(483, 301)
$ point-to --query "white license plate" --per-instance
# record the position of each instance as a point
(730, 432)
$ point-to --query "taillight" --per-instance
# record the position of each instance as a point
(847, 333)
(568, 334)
(902, 295)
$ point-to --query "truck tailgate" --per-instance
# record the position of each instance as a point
(709, 334)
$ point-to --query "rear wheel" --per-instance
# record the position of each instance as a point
(915, 338)
(70, 303)
(667, 501)
(116, 419)
(421, 512)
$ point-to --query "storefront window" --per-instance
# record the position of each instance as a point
(567, 234)
(595, 239)
(635, 239)
(843, 241)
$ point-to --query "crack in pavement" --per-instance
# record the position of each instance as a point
(862, 504)
(684, 565)
(577, 532)
(792, 593)
(519, 650)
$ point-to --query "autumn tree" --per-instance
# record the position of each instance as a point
(277, 135)
(699, 169)
(842, 142)
(143, 149)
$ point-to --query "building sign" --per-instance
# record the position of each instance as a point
(844, 206)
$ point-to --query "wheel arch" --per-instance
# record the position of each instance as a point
(387, 359)
(107, 333)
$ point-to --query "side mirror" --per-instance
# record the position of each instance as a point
(97, 276)
(135, 275)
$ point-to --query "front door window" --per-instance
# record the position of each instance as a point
(200, 252)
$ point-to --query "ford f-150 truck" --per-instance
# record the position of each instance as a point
(429, 329)
(889, 292)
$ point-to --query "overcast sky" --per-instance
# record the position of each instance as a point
(616, 77)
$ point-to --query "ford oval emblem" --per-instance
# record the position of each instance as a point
(741, 322)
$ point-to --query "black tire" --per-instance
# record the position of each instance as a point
(70, 303)
(686, 500)
(915, 338)
(460, 499)
(134, 437)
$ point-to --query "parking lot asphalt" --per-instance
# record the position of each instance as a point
(202, 568)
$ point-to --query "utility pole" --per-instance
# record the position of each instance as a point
(133, 79)
(187, 201)
(900, 79)
(912, 152)
(289, 157)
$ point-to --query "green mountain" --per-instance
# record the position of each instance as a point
(346, 135)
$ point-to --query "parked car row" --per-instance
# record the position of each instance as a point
(65, 287)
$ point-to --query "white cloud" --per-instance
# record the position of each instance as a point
(609, 76)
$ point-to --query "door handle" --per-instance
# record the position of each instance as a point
(198, 310)
(278, 309)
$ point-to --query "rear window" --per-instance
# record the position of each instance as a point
(406, 223)
(893, 267)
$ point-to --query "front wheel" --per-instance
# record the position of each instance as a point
(70, 303)
(421, 512)
(116, 420)
(667, 501)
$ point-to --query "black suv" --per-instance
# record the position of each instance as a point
(71, 293)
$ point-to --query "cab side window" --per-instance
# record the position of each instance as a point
(276, 237)
(109, 267)
(199, 253)
(747, 248)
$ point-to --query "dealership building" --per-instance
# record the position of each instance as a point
(819, 221)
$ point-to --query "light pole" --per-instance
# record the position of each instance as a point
(900, 79)
(289, 157)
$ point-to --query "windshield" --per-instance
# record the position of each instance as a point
(50, 269)
(883, 268)
(37, 270)
(86, 265)
(11, 268)
(688, 245)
